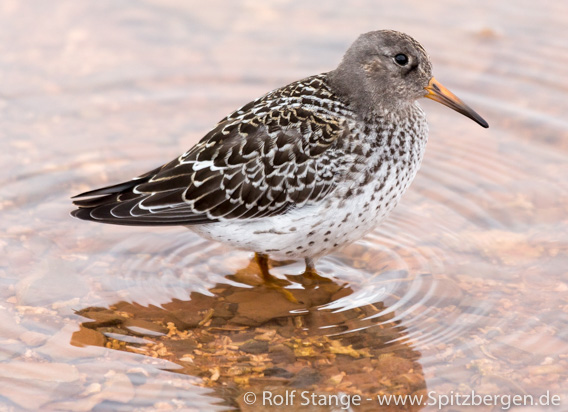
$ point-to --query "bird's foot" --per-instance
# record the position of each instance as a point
(309, 278)
(273, 282)
(313, 276)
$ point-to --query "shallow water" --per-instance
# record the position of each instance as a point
(463, 288)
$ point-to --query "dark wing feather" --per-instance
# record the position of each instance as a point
(271, 155)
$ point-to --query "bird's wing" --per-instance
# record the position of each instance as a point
(271, 155)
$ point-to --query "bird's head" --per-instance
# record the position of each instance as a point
(384, 70)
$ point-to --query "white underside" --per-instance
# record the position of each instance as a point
(312, 230)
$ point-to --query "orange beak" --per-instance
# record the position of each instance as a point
(440, 94)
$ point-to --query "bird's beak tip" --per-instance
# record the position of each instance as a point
(437, 92)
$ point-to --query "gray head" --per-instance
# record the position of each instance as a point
(385, 71)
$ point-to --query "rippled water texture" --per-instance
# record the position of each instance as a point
(463, 288)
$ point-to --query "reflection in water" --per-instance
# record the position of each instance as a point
(243, 336)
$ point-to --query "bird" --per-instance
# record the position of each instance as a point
(301, 171)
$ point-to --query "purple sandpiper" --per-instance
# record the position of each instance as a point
(303, 170)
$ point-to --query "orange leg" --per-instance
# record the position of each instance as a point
(311, 274)
(271, 281)
(262, 261)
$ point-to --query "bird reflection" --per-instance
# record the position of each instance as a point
(246, 336)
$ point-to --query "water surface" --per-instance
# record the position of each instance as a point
(463, 288)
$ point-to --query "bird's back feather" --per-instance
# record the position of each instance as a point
(275, 153)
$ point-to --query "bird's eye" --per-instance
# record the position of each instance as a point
(401, 59)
